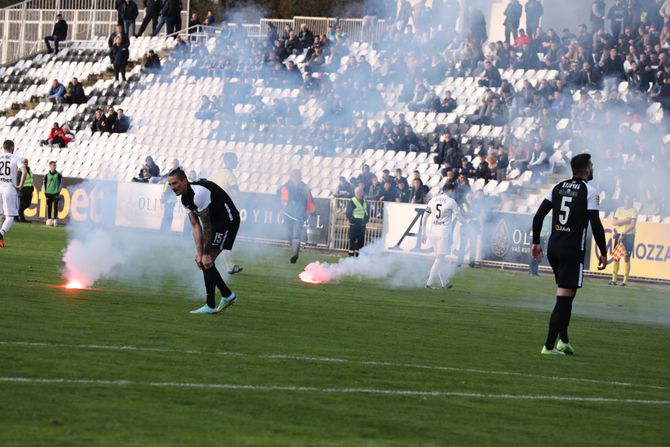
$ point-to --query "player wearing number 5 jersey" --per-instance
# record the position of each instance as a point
(214, 222)
(10, 185)
(438, 219)
(573, 204)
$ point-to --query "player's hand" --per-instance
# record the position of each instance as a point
(602, 262)
(536, 252)
(207, 261)
(198, 260)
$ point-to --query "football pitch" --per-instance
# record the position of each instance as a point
(350, 364)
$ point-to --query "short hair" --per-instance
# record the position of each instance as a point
(179, 173)
(52, 162)
(580, 163)
(448, 186)
(8, 145)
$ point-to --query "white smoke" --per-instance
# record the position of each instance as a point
(397, 271)
(103, 251)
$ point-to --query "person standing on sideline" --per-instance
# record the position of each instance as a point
(297, 204)
(441, 211)
(625, 218)
(10, 166)
(53, 183)
(58, 34)
(358, 215)
(215, 221)
(26, 197)
(574, 203)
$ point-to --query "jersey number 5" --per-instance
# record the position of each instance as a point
(565, 210)
(439, 211)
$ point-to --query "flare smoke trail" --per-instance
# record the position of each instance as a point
(398, 271)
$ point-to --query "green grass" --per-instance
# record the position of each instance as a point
(488, 331)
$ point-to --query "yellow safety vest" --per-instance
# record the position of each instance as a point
(29, 183)
(360, 209)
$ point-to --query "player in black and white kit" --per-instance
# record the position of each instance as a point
(574, 204)
(10, 167)
(214, 221)
(441, 212)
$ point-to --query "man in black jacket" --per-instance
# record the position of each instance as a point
(512, 18)
(152, 9)
(74, 93)
(130, 14)
(58, 34)
(120, 33)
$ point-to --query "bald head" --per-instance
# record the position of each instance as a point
(358, 192)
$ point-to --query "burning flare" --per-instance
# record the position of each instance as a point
(316, 273)
(74, 284)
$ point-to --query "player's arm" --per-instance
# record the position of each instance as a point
(424, 224)
(24, 174)
(593, 211)
(538, 220)
(196, 230)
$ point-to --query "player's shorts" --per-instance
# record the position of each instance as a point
(439, 239)
(9, 200)
(568, 269)
(224, 237)
(629, 243)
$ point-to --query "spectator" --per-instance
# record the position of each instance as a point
(120, 56)
(151, 13)
(388, 192)
(58, 34)
(522, 39)
(417, 192)
(130, 14)
(444, 152)
(74, 93)
(305, 36)
(597, 15)
(375, 189)
(56, 92)
(402, 193)
(63, 136)
(344, 189)
(408, 142)
(210, 20)
(491, 76)
(151, 62)
(55, 129)
(118, 33)
(110, 120)
(512, 13)
(148, 171)
(169, 12)
(503, 164)
(448, 104)
(98, 124)
(616, 17)
(534, 11)
(122, 122)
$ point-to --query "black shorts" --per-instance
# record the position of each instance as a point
(224, 236)
(568, 268)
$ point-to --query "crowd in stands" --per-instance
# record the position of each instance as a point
(115, 121)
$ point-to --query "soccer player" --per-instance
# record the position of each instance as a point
(10, 166)
(625, 218)
(574, 204)
(214, 223)
(441, 211)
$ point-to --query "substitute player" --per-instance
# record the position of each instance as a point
(574, 204)
(10, 166)
(214, 223)
(441, 211)
(625, 218)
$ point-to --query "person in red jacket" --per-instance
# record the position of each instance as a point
(63, 136)
(52, 133)
(297, 205)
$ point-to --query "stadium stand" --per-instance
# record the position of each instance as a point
(279, 103)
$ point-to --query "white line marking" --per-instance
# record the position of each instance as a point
(309, 389)
(333, 360)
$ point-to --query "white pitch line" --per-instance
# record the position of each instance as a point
(333, 360)
(309, 389)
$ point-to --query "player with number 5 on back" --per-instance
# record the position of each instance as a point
(10, 166)
(214, 222)
(574, 203)
(441, 211)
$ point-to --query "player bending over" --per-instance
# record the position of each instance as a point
(441, 211)
(573, 204)
(10, 165)
(214, 222)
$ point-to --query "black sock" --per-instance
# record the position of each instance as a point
(560, 316)
(563, 334)
(221, 284)
(210, 285)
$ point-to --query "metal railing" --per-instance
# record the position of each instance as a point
(23, 26)
(339, 225)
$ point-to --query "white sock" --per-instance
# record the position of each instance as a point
(227, 259)
(435, 270)
(9, 220)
